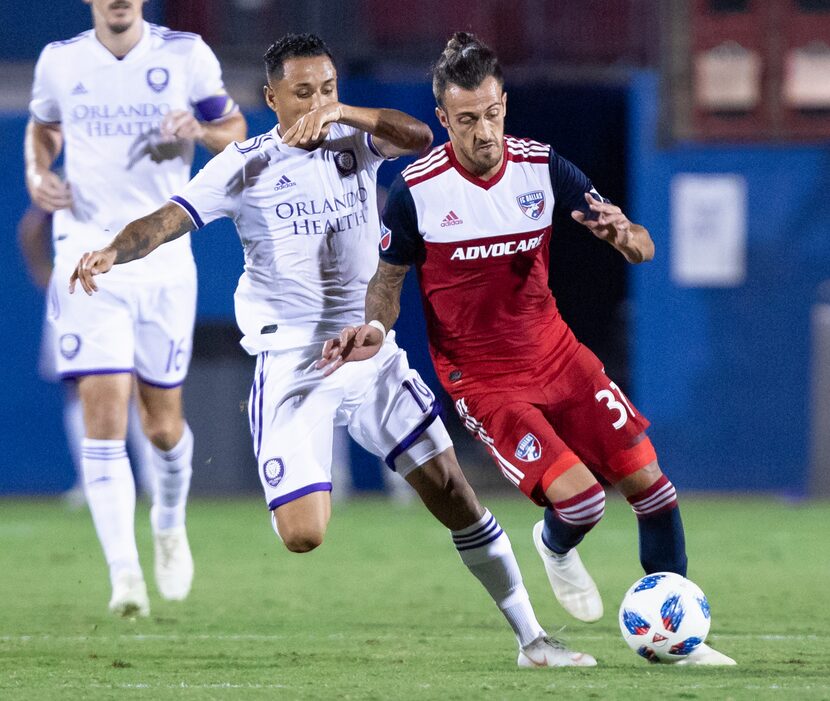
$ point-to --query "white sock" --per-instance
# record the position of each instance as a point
(173, 472)
(141, 450)
(110, 493)
(485, 549)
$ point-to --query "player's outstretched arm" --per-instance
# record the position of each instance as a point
(394, 133)
(214, 136)
(611, 225)
(135, 240)
(383, 306)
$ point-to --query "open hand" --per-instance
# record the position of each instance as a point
(609, 224)
(90, 265)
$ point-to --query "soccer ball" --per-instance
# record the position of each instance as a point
(664, 617)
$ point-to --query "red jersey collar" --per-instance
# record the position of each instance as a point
(475, 180)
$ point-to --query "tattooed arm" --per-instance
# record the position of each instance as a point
(383, 304)
(135, 240)
(383, 296)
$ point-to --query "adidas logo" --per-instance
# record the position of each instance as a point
(451, 219)
(283, 183)
(79, 89)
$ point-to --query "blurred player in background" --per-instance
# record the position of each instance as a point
(474, 217)
(303, 197)
(34, 235)
(126, 100)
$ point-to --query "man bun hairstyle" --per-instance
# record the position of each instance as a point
(292, 46)
(466, 61)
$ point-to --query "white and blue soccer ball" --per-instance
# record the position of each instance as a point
(664, 617)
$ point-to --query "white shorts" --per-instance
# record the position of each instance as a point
(129, 325)
(293, 410)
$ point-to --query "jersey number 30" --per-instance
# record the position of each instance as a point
(621, 406)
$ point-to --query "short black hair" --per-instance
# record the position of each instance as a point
(293, 46)
(466, 61)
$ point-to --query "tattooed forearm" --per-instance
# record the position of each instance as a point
(403, 131)
(399, 132)
(144, 235)
(383, 297)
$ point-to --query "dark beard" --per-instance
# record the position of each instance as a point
(119, 28)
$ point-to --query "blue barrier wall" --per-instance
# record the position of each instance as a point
(49, 21)
(723, 373)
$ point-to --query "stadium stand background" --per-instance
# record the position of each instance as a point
(724, 373)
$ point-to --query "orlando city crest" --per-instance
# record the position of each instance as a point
(532, 203)
(70, 345)
(273, 471)
(529, 448)
(346, 162)
(158, 78)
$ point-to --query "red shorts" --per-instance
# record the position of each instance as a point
(537, 433)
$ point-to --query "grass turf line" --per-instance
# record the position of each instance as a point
(385, 610)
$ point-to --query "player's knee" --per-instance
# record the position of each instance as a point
(584, 510)
(164, 432)
(298, 536)
(301, 540)
(639, 481)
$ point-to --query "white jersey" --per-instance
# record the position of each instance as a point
(109, 111)
(309, 226)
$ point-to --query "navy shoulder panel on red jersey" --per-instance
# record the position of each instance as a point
(569, 185)
(401, 242)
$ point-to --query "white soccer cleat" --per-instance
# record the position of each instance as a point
(173, 563)
(546, 651)
(129, 596)
(705, 655)
(570, 581)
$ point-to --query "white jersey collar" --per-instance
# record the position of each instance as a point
(134, 54)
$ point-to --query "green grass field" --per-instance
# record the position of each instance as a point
(385, 610)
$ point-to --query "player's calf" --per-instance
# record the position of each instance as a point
(662, 539)
(568, 520)
(444, 490)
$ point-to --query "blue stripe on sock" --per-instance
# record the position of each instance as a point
(477, 530)
(478, 533)
(480, 544)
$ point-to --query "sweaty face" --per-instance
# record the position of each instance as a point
(117, 15)
(307, 84)
(474, 120)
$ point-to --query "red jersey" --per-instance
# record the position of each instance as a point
(481, 249)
